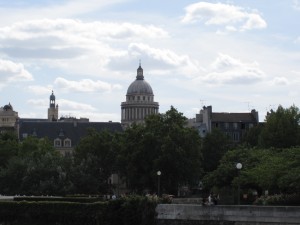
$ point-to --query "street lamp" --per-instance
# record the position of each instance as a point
(239, 167)
(158, 183)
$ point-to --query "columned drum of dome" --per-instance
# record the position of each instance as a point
(139, 101)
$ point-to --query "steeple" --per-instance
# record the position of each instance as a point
(140, 75)
(53, 109)
(52, 100)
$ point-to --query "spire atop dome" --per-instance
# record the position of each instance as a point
(140, 75)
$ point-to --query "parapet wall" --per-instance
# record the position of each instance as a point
(179, 214)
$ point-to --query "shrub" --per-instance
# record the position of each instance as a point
(281, 199)
(132, 210)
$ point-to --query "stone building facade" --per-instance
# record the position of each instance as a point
(8, 118)
(233, 125)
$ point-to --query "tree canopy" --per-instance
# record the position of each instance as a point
(163, 144)
(281, 128)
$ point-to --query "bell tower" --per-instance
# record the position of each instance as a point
(53, 109)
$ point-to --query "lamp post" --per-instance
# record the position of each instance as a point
(158, 183)
(239, 167)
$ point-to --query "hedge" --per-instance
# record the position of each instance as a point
(59, 199)
(279, 199)
(132, 210)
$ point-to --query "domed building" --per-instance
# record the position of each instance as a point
(139, 101)
(8, 118)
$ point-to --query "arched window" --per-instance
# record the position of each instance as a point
(57, 142)
(67, 142)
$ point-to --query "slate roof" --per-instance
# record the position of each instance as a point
(233, 117)
(63, 130)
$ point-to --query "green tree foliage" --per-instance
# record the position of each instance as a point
(94, 160)
(276, 170)
(8, 147)
(215, 145)
(281, 129)
(163, 144)
(252, 136)
(36, 169)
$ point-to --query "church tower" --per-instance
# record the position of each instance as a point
(53, 109)
(139, 101)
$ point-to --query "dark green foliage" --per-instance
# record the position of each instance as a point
(132, 210)
(37, 169)
(215, 145)
(275, 170)
(9, 147)
(279, 199)
(281, 129)
(94, 162)
(50, 212)
(163, 143)
(252, 136)
(58, 199)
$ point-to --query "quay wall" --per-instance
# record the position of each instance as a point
(189, 214)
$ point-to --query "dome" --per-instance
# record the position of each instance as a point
(139, 87)
(8, 107)
(52, 96)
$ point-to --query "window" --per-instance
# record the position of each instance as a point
(235, 125)
(226, 125)
(138, 98)
(236, 136)
(243, 126)
(67, 142)
(57, 143)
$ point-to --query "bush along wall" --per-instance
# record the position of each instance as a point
(133, 210)
(280, 199)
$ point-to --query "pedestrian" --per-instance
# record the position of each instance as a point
(210, 199)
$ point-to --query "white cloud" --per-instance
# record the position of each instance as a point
(228, 70)
(158, 60)
(230, 16)
(13, 72)
(75, 46)
(281, 81)
(67, 38)
(71, 105)
(296, 4)
(53, 9)
(39, 103)
(62, 103)
(40, 90)
(85, 85)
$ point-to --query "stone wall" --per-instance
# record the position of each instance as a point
(187, 214)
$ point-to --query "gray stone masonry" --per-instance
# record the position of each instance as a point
(180, 214)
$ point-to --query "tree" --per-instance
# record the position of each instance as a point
(94, 162)
(275, 170)
(215, 145)
(9, 147)
(281, 129)
(251, 137)
(37, 169)
(163, 144)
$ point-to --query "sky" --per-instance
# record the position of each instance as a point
(234, 55)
